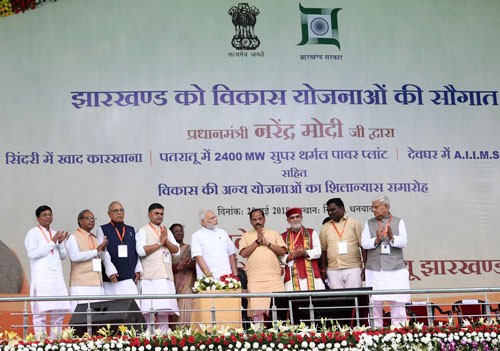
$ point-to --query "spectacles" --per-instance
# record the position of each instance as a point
(88, 218)
(118, 210)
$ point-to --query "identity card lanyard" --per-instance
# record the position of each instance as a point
(386, 248)
(342, 245)
(386, 225)
(122, 248)
(297, 237)
(158, 233)
(290, 267)
(45, 236)
(166, 255)
(89, 238)
(52, 261)
(96, 262)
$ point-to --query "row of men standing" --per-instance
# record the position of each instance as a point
(117, 248)
(373, 252)
(349, 252)
(112, 262)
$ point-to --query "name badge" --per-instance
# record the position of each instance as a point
(122, 251)
(385, 249)
(166, 258)
(342, 248)
(96, 265)
(53, 262)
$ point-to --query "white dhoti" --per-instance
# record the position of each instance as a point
(78, 290)
(56, 310)
(318, 285)
(398, 279)
(158, 286)
(159, 308)
(389, 280)
(123, 287)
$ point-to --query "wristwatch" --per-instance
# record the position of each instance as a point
(258, 242)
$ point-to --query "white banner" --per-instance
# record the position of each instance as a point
(267, 104)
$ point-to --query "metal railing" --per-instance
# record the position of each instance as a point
(347, 307)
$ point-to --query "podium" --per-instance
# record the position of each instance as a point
(227, 311)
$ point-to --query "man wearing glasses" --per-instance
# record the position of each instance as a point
(304, 250)
(86, 255)
(122, 267)
(46, 250)
(384, 237)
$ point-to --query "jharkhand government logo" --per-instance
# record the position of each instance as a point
(319, 26)
(244, 18)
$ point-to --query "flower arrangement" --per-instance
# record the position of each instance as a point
(5, 8)
(19, 6)
(282, 337)
(11, 7)
(225, 282)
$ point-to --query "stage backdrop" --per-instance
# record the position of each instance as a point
(268, 104)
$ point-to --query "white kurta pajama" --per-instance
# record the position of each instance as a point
(47, 279)
(166, 285)
(75, 255)
(388, 280)
(395, 279)
(215, 246)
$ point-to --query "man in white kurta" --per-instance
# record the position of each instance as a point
(86, 255)
(46, 250)
(384, 238)
(155, 247)
(213, 250)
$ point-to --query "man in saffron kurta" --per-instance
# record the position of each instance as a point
(46, 251)
(301, 263)
(262, 248)
(156, 245)
(86, 255)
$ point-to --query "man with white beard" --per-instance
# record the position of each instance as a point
(212, 249)
(303, 252)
